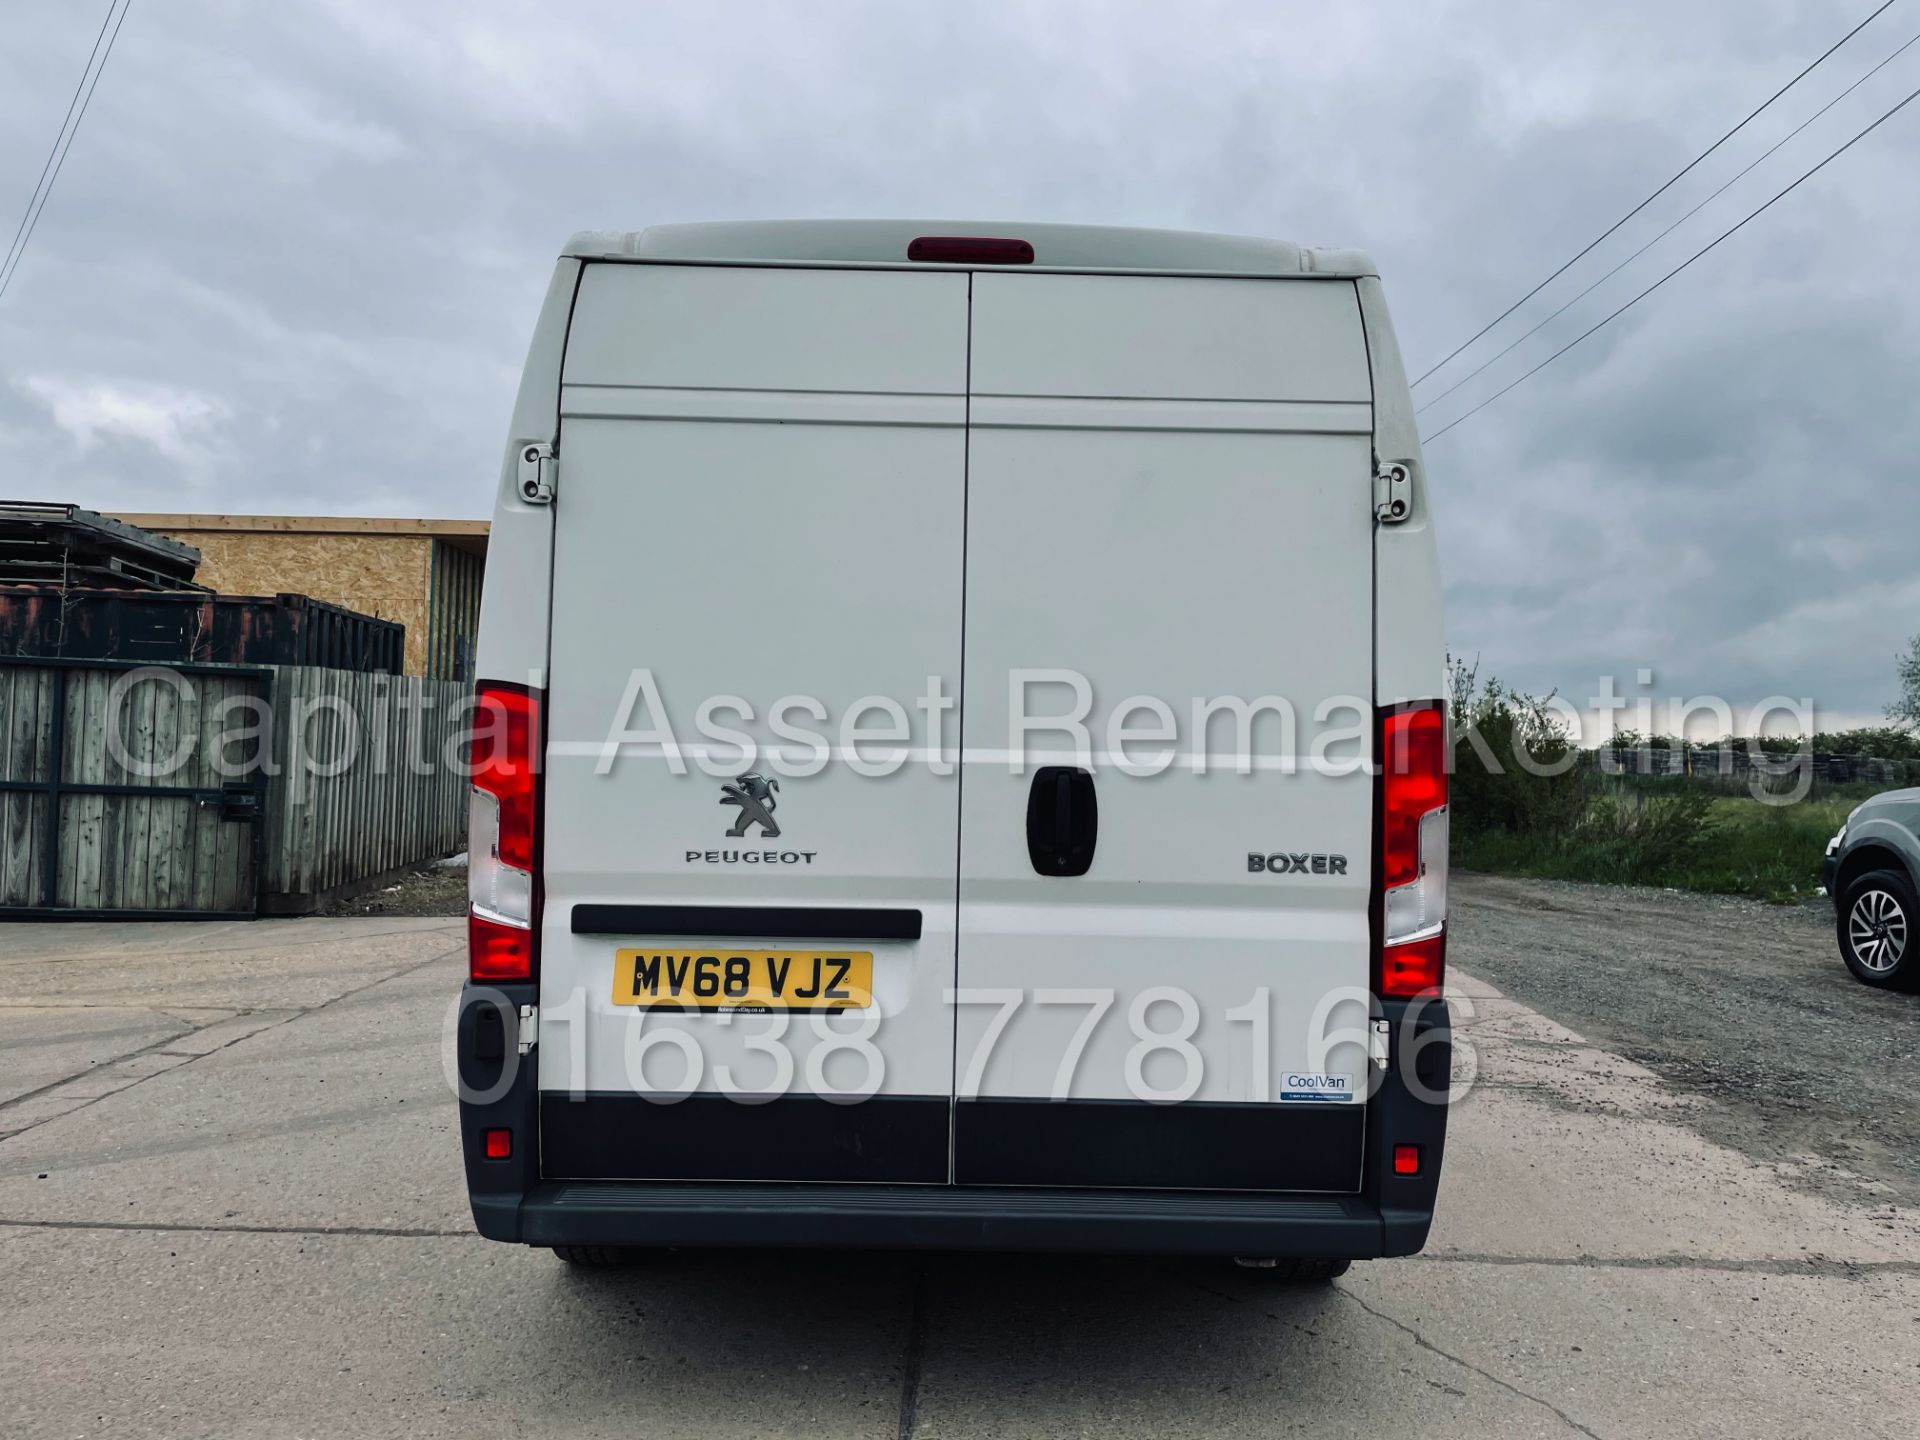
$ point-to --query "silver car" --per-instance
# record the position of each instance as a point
(1873, 874)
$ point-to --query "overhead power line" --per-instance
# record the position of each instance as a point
(80, 85)
(1673, 180)
(1737, 225)
(63, 142)
(1483, 365)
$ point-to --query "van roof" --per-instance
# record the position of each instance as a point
(884, 242)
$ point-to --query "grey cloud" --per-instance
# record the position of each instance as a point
(294, 257)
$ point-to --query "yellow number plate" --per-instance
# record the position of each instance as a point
(719, 979)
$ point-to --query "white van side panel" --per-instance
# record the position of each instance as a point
(1411, 656)
(512, 644)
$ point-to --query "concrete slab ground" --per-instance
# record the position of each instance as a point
(231, 1204)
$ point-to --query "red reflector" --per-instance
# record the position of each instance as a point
(506, 722)
(499, 1145)
(1413, 751)
(1413, 968)
(970, 250)
(496, 951)
(1406, 1159)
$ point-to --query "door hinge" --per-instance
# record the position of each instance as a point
(527, 1029)
(1379, 1043)
(1392, 492)
(538, 466)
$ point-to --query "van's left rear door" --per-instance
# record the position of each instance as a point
(760, 497)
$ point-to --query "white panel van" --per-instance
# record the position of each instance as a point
(959, 757)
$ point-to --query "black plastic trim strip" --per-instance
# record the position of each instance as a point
(898, 1139)
(780, 922)
(1130, 1144)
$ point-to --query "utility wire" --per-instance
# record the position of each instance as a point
(1781, 195)
(62, 144)
(79, 85)
(1655, 195)
(1669, 230)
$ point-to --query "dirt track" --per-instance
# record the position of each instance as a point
(1742, 1004)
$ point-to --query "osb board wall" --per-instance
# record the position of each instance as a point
(456, 613)
(390, 576)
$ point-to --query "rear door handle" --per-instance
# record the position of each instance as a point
(1063, 820)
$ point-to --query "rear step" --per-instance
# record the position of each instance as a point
(936, 1217)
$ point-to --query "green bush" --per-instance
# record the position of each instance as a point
(1515, 767)
(1635, 838)
(1525, 800)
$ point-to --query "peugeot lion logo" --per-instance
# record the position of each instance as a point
(753, 793)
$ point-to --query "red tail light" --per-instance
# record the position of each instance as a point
(505, 721)
(1413, 966)
(1413, 849)
(503, 833)
(498, 950)
(1414, 751)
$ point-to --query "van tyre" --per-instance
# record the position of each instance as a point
(1300, 1269)
(1878, 919)
(596, 1256)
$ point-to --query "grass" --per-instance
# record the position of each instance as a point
(1646, 831)
(1523, 805)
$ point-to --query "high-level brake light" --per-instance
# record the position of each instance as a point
(502, 824)
(1413, 849)
(970, 250)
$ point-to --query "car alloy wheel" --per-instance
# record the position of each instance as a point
(1877, 930)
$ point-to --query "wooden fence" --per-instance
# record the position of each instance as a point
(202, 790)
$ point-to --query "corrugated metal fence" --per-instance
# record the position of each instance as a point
(369, 779)
(187, 790)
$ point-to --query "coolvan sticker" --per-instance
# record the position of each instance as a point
(1303, 1086)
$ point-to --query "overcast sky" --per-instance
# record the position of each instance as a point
(293, 259)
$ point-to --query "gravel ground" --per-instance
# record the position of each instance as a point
(1743, 1004)
(432, 890)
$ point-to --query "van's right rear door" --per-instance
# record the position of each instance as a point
(1169, 489)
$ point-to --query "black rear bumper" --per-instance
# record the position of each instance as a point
(1280, 1208)
(943, 1217)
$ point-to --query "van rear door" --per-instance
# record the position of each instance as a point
(761, 496)
(1169, 502)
